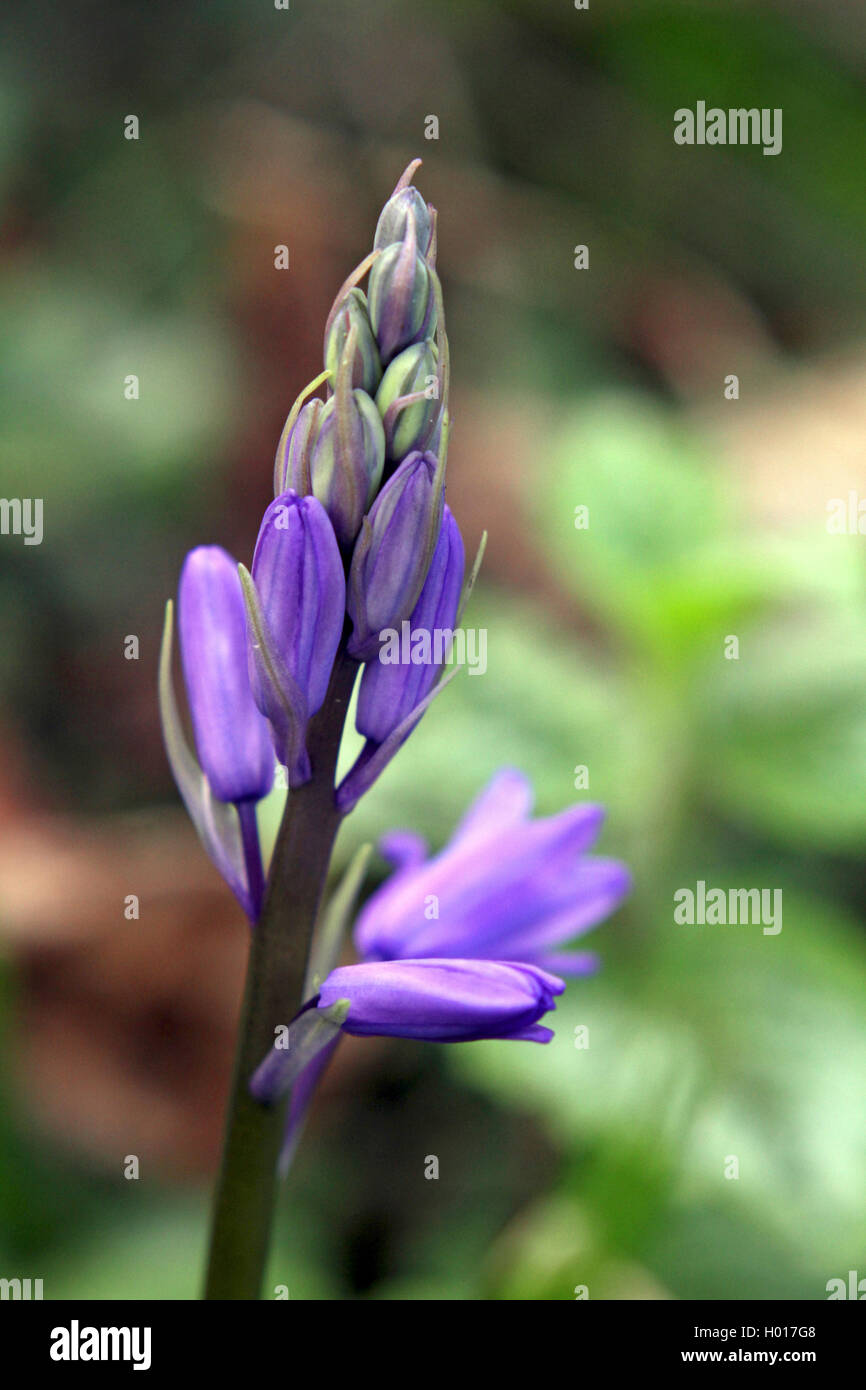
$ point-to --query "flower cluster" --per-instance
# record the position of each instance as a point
(357, 541)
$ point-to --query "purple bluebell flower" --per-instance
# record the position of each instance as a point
(505, 888)
(400, 296)
(486, 905)
(231, 737)
(234, 767)
(407, 666)
(442, 1001)
(295, 630)
(353, 315)
(393, 552)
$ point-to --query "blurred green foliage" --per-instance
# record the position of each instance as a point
(704, 1041)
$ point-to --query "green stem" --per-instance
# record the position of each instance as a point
(277, 964)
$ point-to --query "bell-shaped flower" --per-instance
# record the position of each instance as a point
(443, 1001)
(506, 887)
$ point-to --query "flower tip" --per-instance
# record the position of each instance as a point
(407, 175)
(536, 1033)
(585, 819)
(625, 879)
(403, 849)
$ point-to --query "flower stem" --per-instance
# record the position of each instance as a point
(252, 856)
(279, 950)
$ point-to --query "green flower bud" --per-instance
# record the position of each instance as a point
(347, 460)
(292, 463)
(391, 226)
(366, 365)
(400, 296)
(408, 399)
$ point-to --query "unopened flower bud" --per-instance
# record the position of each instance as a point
(298, 577)
(392, 688)
(443, 1000)
(231, 737)
(408, 399)
(347, 461)
(400, 296)
(391, 226)
(366, 365)
(292, 463)
(393, 552)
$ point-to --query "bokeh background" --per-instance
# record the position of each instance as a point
(559, 1167)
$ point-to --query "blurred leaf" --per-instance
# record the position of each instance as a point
(658, 561)
(160, 1255)
(65, 354)
(552, 1252)
(784, 736)
(726, 1042)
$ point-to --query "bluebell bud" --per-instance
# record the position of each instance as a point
(393, 552)
(444, 1001)
(292, 462)
(408, 399)
(394, 685)
(231, 737)
(391, 227)
(400, 296)
(366, 365)
(347, 459)
(298, 577)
